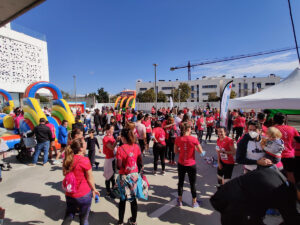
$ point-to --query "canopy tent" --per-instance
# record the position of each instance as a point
(284, 95)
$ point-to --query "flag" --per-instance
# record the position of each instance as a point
(171, 102)
(224, 104)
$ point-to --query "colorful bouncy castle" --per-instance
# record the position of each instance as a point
(33, 112)
(126, 99)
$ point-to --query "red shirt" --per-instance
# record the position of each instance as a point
(118, 117)
(52, 128)
(164, 123)
(240, 121)
(199, 125)
(184, 111)
(124, 151)
(186, 146)
(108, 152)
(217, 115)
(82, 164)
(128, 116)
(147, 125)
(167, 130)
(288, 134)
(160, 135)
(225, 144)
(209, 121)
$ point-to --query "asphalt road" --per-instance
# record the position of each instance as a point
(33, 195)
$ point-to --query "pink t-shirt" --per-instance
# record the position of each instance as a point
(209, 121)
(288, 134)
(147, 125)
(82, 164)
(225, 144)
(108, 152)
(124, 151)
(52, 128)
(160, 135)
(199, 125)
(186, 146)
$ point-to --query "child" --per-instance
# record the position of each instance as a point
(273, 145)
(91, 143)
(109, 144)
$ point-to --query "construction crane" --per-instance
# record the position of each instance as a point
(231, 58)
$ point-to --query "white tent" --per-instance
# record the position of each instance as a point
(284, 95)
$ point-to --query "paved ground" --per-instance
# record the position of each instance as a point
(33, 195)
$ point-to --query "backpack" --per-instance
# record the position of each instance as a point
(69, 184)
(130, 165)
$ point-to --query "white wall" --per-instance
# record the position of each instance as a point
(23, 60)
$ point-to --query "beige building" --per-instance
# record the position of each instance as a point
(202, 87)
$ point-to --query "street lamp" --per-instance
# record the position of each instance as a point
(155, 90)
(74, 77)
(179, 96)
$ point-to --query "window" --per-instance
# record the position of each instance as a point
(192, 88)
(143, 89)
(259, 85)
(245, 86)
(192, 95)
(205, 93)
(269, 84)
(166, 88)
(233, 85)
(209, 86)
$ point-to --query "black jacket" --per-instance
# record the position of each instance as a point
(42, 133)
(97, 118)
(257, 191)
(91, 143)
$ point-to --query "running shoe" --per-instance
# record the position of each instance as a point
(154, 173)
(196, 204)
(179, 203)
(163, 173)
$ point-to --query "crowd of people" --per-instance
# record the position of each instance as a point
(267, 148)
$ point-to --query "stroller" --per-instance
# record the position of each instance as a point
(26, 147)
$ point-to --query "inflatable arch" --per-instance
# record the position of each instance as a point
(33, 112)
(8, 104)
(126, 99)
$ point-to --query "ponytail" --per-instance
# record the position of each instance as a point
(71, 150)
(128, 135)
(184, 128)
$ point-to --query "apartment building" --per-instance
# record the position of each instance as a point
(202, 87)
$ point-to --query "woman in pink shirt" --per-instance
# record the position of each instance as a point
(186, 145)
(81, 200)
(129, 161)
(159, 147)
(288, 136)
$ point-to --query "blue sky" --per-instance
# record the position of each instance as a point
(113, 43)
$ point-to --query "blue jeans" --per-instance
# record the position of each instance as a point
(88, 124)
(83, 204)
(41, 147)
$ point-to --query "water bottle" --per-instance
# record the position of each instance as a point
(97, 199)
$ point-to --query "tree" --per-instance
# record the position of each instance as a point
(65, 94)
(113, 98)
(148, 96)
(43, 99)
(102, 96)
(212, 97)
(139, 97)
(161, 97)
(233, 94)
(185, 92)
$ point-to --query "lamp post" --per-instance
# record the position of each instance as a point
(74, 77)
(155, 89)
(179, 97)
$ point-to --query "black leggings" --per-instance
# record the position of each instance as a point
(170, 146)
(200, 135)
(134, 208)
(111, 180)
(191, 171)
(209, 132)
(159, 152)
